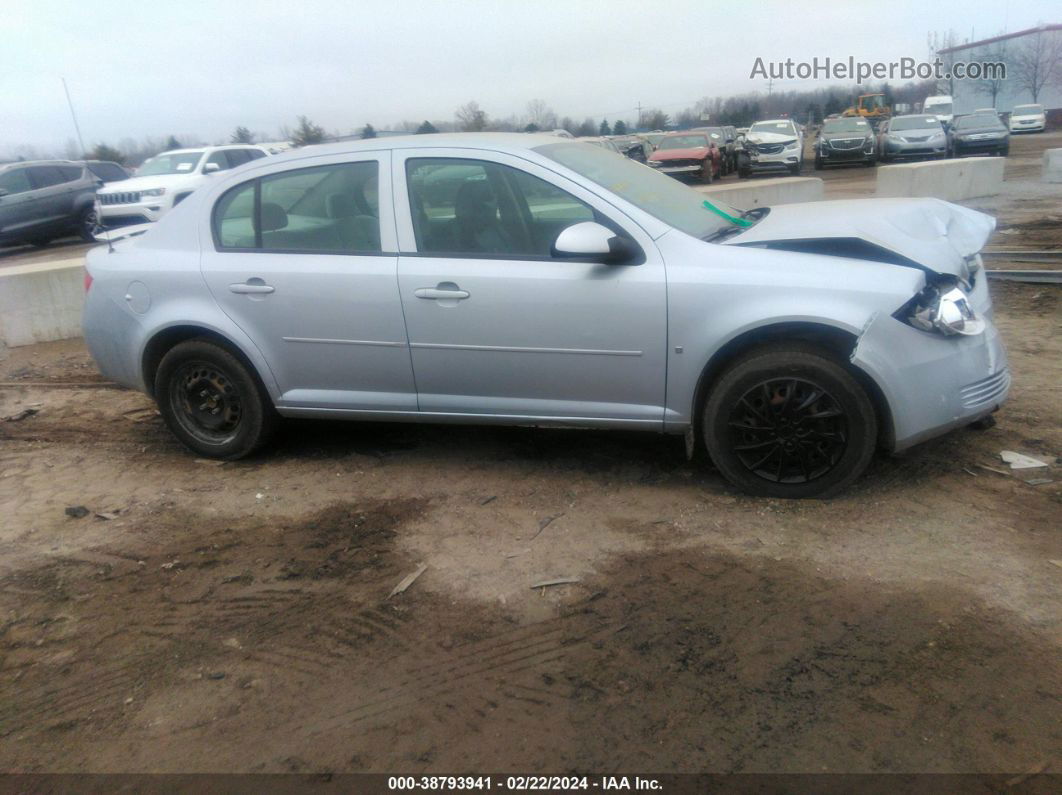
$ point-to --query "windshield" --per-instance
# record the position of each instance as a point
(784, 127)
(970, 122)
(659, 195)
(1028, 110)
(172, 163)
(938, 107)
(914, 123)
(682, 142)
(845, 125)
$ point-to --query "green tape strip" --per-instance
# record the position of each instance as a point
(727, 216)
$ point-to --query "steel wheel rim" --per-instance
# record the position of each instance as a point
(788, 430)
(206, 402)
(91, 223)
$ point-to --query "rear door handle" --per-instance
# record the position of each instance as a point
(436, 293)
(251, 287)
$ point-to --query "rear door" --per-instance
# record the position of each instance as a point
(18, 204)
(302, 259)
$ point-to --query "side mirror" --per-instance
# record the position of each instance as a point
(210, 168)
(590, 240)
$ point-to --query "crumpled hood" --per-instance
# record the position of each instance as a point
(696, 153)
(769, 138)
(935, 234)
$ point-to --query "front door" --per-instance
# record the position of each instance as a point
(499, 327)
(303, 261)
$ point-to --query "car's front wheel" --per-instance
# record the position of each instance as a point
(789, 421)
(706, 171)
(212, 402)
(88, 224)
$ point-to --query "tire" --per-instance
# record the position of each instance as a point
(744, 173)
(805, 454)
(795, 170)
(88, 224)
(706, 171)
(236, 417)
(818, 163)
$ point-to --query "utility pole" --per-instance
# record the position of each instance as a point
(73, 115)
(639, 115)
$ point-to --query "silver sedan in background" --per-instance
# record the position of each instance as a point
(912, 136)
(531, 280)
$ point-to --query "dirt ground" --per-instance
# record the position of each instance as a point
(238, 617)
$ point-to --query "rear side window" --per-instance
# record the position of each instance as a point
(254, 154)
(46, 176)
(323, 209)
(108, 172)
(15, 180)
(71, 173)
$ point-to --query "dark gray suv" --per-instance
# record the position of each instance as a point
(44, 199)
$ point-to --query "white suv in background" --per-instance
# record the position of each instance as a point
(165, 180)
(1028, 118)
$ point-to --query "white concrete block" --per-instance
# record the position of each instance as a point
(747, 194)
(958, 178)
(41, 302)
(1052, 165)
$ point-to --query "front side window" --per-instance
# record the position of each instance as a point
(659, 195)
(46, 176)
(322, 209)
(464, 207)
(15, 180)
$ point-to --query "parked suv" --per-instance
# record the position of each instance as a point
(845, 140)
(165, 180)
(773, 145)
(44, 199)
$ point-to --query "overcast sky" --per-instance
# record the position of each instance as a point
(139, 68)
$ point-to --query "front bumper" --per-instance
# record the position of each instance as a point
(979, 146)
(931, 383)
(1032, 126)
(115, 215)
(664, 168)
(784, 160)
(916, 148)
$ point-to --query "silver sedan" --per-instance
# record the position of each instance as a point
(523, 279)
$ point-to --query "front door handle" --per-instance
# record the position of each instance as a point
(251, 287)
(435, 293)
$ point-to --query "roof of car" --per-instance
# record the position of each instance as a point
(486, 140)
(4, 166)
(205, 147)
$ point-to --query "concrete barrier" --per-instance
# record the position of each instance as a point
(40, 302)
(1052, 165)
(960, 178)
(747, 194)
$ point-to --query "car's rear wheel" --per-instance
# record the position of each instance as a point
(212, 402)
(88, 224)
(790, 422)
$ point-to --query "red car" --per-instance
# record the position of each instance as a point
(688, 154)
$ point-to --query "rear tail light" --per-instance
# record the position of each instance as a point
(88, 280)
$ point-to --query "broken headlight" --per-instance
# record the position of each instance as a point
(943, 308)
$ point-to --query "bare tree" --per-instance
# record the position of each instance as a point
(471, 117)
(541, 115)
(1037, 62)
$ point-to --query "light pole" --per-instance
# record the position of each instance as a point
(73, 115)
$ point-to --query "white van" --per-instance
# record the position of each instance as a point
(941, 107)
